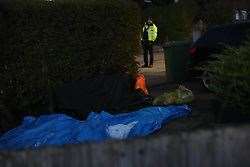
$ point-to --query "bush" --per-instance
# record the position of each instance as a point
(7, 120)
(230, 76)
(47, 43)
(216, 12)
(174, 21)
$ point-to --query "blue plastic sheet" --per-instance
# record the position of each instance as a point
(59, 129)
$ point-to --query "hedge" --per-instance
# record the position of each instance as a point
(174, 21)
(230, 80)
(47, 43)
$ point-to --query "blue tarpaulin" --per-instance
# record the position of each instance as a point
(59, 129)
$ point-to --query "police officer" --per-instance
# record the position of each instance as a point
(148, 38)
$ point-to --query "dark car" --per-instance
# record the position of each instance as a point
(215, 40)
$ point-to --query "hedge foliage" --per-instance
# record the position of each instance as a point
(230, 76)
(46, 43)
(216, 12)
(174, 21)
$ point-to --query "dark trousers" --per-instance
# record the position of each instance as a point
(148, 49)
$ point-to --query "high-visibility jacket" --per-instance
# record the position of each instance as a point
(151, 32)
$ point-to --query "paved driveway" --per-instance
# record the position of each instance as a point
(158, 83)
(156, 75)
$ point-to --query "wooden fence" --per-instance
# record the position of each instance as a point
(223, 147)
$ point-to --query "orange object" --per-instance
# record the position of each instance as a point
(140, 84)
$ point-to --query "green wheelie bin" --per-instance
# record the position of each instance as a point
(176, 60)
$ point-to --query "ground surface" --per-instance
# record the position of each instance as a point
(158, 83)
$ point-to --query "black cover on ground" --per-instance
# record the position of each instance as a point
(106, 92)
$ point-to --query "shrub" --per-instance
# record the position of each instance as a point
(7, 120)
(216, 12)
(230, 76)
(47, 43)
(174, 21)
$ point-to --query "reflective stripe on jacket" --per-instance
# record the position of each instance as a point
(152, 31)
